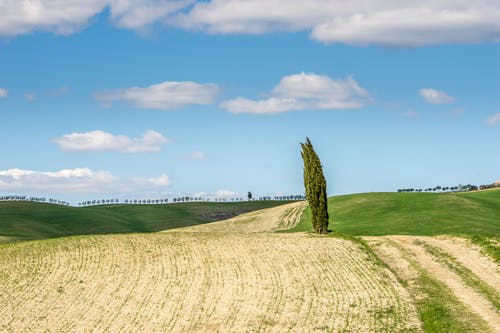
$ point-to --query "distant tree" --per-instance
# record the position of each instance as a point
(315, 186)
(249, 196)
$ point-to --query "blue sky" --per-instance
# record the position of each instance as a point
(157, 99)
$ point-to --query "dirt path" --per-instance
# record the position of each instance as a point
(265, 220)
(468, 256)
(199, 282)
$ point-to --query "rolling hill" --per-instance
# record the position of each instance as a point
(242, 275)
(366, 214)
(419, 214)
(29, 220)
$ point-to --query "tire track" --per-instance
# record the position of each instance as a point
(474, 300)
(470, 256)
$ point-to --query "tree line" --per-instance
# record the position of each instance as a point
(111, 201)
(186, 199)
(458, 188)
(32, 199)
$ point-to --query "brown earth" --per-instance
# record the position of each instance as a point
(264, 220)
(202, 280)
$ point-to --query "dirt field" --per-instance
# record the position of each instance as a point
(471, 276)
(265, 220)
(199, 281)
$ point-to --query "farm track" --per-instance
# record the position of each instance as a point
(452, 261)
(199, 282)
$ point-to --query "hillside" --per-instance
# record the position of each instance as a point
(420, 214)
(241, 275)
(29, 220)
(367, 214)
(202, 279)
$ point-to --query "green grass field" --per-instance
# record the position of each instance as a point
(367, 214)
(420, 214)
(29, 220)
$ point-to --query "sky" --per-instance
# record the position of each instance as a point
(154, 99)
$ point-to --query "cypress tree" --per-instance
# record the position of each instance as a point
(315, 186)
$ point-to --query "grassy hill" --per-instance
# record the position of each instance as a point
(30, 220)
(376, 214)
(367, 214)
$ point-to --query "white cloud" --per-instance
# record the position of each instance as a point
(217, 194)
(133, 14)
(414, 24)
(197, 155)
(266, 106)
(493, 120)
(225, 193)
(434, 96)
(360, 22)
(59, 16)
(304, 91)
(66, 17)
(78, 181)
(4, 93)
(150, 141)
(30, 96)
(163, 96)
(386, 22)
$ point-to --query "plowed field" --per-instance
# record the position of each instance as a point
(200, 281)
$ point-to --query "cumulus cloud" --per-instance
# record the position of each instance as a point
(150, 141)
(493, 120)
(133, 14)
(164, 96)
(78, 181)
(304, 91)
(415, 25)
(62, 17)
(360, 22)
(66, 17)
(3, 93)
(434, 96)
(266, 106)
